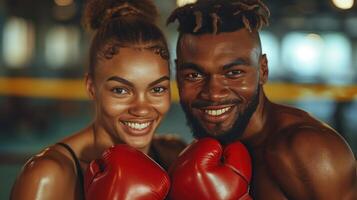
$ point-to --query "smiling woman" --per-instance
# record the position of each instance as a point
(129, 83)
(131, 93)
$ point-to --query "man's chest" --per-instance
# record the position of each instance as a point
(263, 185)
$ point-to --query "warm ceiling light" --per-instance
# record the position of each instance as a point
(63, 2)
(184, 2)
(343, 4)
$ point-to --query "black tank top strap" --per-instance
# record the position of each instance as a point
(155, 155)
(78, 166)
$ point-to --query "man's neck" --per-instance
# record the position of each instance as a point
(254, 133)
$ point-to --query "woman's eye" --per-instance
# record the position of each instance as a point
(120, 91)
(158, 90)
(193, 76)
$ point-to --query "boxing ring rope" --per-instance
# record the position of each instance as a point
(74, 89)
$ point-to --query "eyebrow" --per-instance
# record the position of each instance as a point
(121, 80)
(192, 66)
(126, 82)
(239, 61)
(164, 78)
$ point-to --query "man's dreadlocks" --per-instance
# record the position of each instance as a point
(214, 16)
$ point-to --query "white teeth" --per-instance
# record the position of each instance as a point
(217, 112)
(138, 126)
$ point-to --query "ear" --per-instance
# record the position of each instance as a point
(90, 86)
(263, 70)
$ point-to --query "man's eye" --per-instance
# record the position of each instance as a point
(158, 90)
(234, 73)
(120, 91)
(193, 76)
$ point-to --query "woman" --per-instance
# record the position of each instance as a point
(129, 82)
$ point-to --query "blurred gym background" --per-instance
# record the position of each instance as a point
(311, 46)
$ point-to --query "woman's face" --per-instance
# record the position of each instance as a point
(132, 94)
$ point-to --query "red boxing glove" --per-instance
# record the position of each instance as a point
(125, 173)
(200, 172)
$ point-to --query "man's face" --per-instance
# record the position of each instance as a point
(219, 82)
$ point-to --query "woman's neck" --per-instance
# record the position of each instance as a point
(102, 140)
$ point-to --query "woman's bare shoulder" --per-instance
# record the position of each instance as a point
(47, 175)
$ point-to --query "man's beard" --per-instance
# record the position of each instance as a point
(235, 132)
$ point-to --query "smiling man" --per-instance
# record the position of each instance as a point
(221, 71)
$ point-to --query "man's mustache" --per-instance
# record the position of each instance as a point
(204, 103)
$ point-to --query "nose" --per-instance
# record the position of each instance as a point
(140, 106)
(214, 90)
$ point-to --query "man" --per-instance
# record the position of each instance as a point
(221, 72)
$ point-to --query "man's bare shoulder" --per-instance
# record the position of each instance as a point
(45, 176)
(309, 139)
(310, 160)
(300, 133)
(286, 116)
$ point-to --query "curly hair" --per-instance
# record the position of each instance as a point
(214, 16)
(122, 23)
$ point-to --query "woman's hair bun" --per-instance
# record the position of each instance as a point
(99, 12)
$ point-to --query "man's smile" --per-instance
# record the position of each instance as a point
(215, 114)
